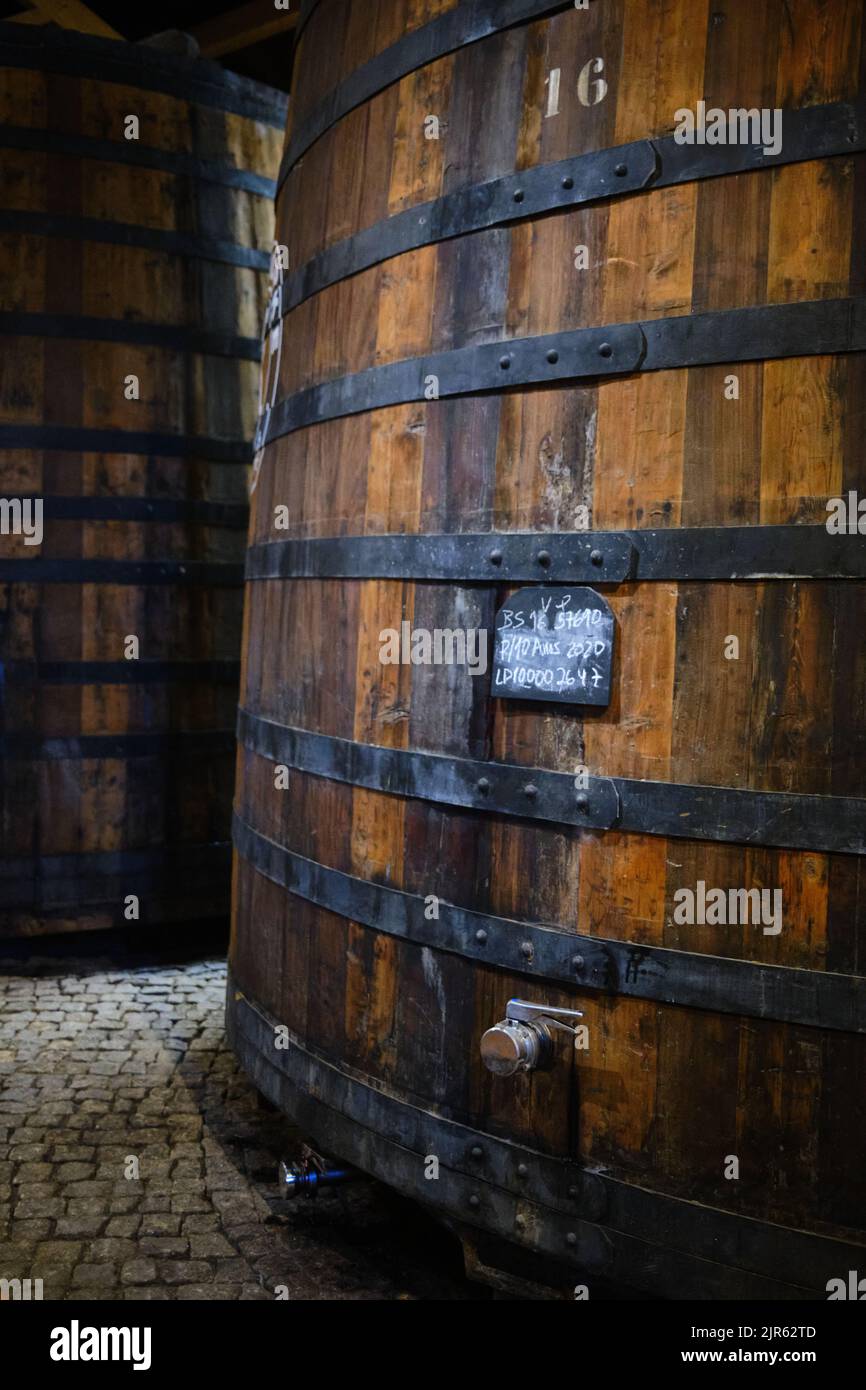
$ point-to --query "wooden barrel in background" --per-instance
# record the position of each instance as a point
(123, 257)
(468, 405)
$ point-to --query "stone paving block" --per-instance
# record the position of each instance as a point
(25, 1153)
(199, 1225)
(185, 1170)
(185, 1272)
(90, 1187)
(120, 1206)
(55, 1281)
(186, 1187)
(161, 1224)
(80, 1225)
(208, 1247)
(91, 1293)
(14, 1254)
(163, 1245)
(206, 1293)
(138, 1271)
(72, 1172)
(73, 1153)
(87, 1207)
(36, 1191)
(123, 1226)
(32, 1172)
(97, 1274)
(30, 1230)
(186, 1203)
(38, 1208)
(58, 1252)
(111, 1249)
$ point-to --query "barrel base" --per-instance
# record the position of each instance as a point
(519, 1274)
(610, 1234)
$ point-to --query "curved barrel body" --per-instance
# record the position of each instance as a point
(135, 235)
(572, 365)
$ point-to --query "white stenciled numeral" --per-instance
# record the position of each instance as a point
(590, 93)
(552, 85)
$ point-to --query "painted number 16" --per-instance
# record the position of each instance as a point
(591, 87)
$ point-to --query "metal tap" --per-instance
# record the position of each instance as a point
(295, 1178)
(523, 1040)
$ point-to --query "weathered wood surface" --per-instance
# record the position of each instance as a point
(664, 1092)
(177, 798)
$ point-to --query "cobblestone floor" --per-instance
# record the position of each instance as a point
(102, 1061)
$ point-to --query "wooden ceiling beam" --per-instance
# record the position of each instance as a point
(69, 14)
(248, 24)
(27, 17)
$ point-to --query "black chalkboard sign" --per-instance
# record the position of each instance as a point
(554, 644)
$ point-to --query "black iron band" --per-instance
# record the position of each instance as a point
(56, 142)
(50, 883)
(187, 511)
(176, 744)
(465, 24)
(47, 49)
(679, 810)
(816, 132)
(43, 673)
(77, 440)
(126, 234)
(143, 572)
(80, 327)
(607, 1228)
(599, 557)
(692, 340)
(811, 998)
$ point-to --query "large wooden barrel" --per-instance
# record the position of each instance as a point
(135, 238)
(543, 354)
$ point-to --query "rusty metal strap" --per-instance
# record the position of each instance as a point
(812, 998)
(175, 744)
(54, 142)
(86, 328)
(599, 557)
(83, 440)
(814, 132)
(465, 24)
(42, 673)
(679, 810)
(765, 331)
(25, 570)
(100, 229)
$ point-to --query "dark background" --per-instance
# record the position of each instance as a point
(267, 60)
